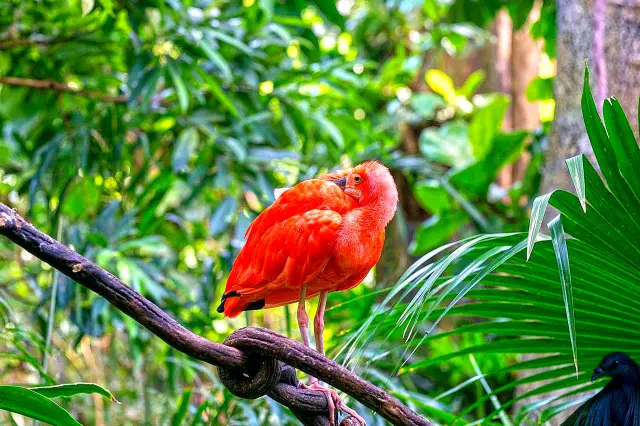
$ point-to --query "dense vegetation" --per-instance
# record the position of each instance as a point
(147, 135)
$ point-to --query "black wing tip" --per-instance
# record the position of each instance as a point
(224, 299)
(255, 306)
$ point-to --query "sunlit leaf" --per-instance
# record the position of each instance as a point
(442, 84)
(472, 83)
(34, 405)
(73, 389)
(486, 124)
(562, 256)
(540, 89)
(538, 210)
(87, 6)
(576, 171)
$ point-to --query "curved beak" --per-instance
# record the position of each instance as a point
(342, 183)
(597, 373)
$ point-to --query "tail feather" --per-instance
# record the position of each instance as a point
(232, 304)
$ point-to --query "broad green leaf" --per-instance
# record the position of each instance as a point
(562, 256)
(447, 144)
(222, 97)
(186, 145)
(221, 218)
(329, 10)
(538, 210)
(472, 83)
(437, 230)
(82, 199)
(519, 11)
(426, 104)
(624, 143)
(540, 89)
(432, 196)
(576, 171)
(179, 85)
(442, 84)
(331, 129)
(238, 44)
(34, 405)
(486, 124)
(217, 59)
(71, 389)
(475, 179)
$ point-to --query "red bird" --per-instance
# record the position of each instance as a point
(321, 235)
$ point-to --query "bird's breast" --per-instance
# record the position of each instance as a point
(359, 250)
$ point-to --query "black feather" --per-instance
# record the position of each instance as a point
(254, 306)
(224, 298)
(618, 404)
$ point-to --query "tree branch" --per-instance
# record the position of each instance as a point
(60, 87)
(39, 40)
(245, 350)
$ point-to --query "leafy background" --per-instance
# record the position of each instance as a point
(147, 135)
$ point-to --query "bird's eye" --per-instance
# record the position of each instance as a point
(357, 179)
(616, 363)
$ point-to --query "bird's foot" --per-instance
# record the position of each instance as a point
(334, 401)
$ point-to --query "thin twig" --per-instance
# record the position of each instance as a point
(41, 41)
(60, 87)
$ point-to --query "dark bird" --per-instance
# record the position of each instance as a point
(618, 404)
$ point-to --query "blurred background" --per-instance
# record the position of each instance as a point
(148, 134)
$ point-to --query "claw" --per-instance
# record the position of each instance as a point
(333, 401)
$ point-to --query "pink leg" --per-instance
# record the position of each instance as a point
(303, 319)
(303, 324)
(318, 322)
(333, 399)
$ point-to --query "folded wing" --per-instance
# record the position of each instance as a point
(287, 245)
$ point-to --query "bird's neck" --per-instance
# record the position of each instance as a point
(376, 215)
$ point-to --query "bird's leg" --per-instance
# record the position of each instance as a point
(333, 400)
(303, 319)
(318, 322)
(303, 324)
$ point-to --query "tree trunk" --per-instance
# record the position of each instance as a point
(575, 45)
(516, 57)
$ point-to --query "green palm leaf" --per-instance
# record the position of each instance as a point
(571, 300)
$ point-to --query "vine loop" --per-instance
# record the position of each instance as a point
(261, 377)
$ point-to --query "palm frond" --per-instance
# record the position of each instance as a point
(570, 300)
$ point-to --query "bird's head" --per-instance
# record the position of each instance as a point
(372, 185)
(617, 365)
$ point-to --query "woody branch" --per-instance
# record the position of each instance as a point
(265, 356)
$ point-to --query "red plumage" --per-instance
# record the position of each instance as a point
(326, 233)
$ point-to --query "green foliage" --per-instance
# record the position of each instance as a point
(187, 115)
(35, 405)
(465, 135)
(561, 301)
